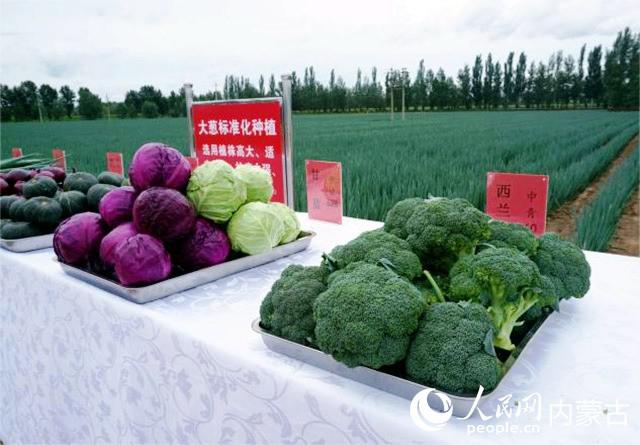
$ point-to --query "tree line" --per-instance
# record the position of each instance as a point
(591, 79)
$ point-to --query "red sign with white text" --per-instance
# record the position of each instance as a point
(59, 158)
(242, 133)
(115, 163)
(518, 198)
(324, 190)
(16, 152)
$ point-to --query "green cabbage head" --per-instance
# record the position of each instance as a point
(290, 221)
(255, 228)
(258, 182)
(216, 191)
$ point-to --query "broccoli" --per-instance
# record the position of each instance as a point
(396, 220)
(287, 310)
(367, 315)
(516, 236)
(433, 288)
(504, 280)
(452, 349)
(441, 230)
(374, 246)
(564, 263)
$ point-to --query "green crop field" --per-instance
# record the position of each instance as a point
(444, 154)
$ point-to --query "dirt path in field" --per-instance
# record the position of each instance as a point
(626, 240)
(564, 219)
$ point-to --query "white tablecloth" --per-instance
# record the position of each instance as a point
(79, 365)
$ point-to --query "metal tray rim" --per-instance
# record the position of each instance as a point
(145, 294)
(255, 325)
(21, 245)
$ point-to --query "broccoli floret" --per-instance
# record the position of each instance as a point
(396, 220)
(504, 280)
(452, 349)
(442, 230)
(287, 310)
(565, 264)
(374, 246)
(367, 315)
(516, 236)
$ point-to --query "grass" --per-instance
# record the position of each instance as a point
(444, 154)
(598, 221)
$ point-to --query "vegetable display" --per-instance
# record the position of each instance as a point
(45, 197)
(78, 238)
(141, 259)
(441, 291)
(207, 245)
(255, 228)
(171, 222)
(158, 165)
(216, 191)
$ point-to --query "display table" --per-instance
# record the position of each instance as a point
(79, 365)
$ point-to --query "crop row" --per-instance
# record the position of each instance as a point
(598, 221)
(445, 154)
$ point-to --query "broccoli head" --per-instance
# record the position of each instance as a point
(397, 217)
(287, 310)
(442, 230)
(374, 246)
(504, 280)
(367, 315)
(516, 236)
(452, 349)
(565, 265)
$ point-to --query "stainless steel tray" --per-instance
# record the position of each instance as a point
(27, 244)
(180, 283)
(386, 382)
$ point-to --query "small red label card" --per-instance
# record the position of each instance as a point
(518, 198)
(16, 152)
(324, 190)
(115, 163)
(193, 162)
(59, 158)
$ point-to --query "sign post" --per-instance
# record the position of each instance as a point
(518, 198)
(324, 190)
(288, 136)
(246, 131)
(188, 97)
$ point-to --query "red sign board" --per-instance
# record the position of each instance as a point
(324, 190)
(115, 163)
(16, 152)
(242, 133)
(193, 162)
(518, 198)
(59, 157)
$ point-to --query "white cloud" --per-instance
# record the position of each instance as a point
(113, 46)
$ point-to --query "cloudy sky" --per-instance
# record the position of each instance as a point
(114, 46)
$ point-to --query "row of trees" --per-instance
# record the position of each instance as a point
(592, 78)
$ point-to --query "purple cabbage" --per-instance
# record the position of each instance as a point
(17, 174)
(116, 206)
(5, 188)
(158, 165)
(206, 246)
(164, 213)
(58, 173)
(112, 239)
(47, 174)
(77, 239)
(140, 260)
